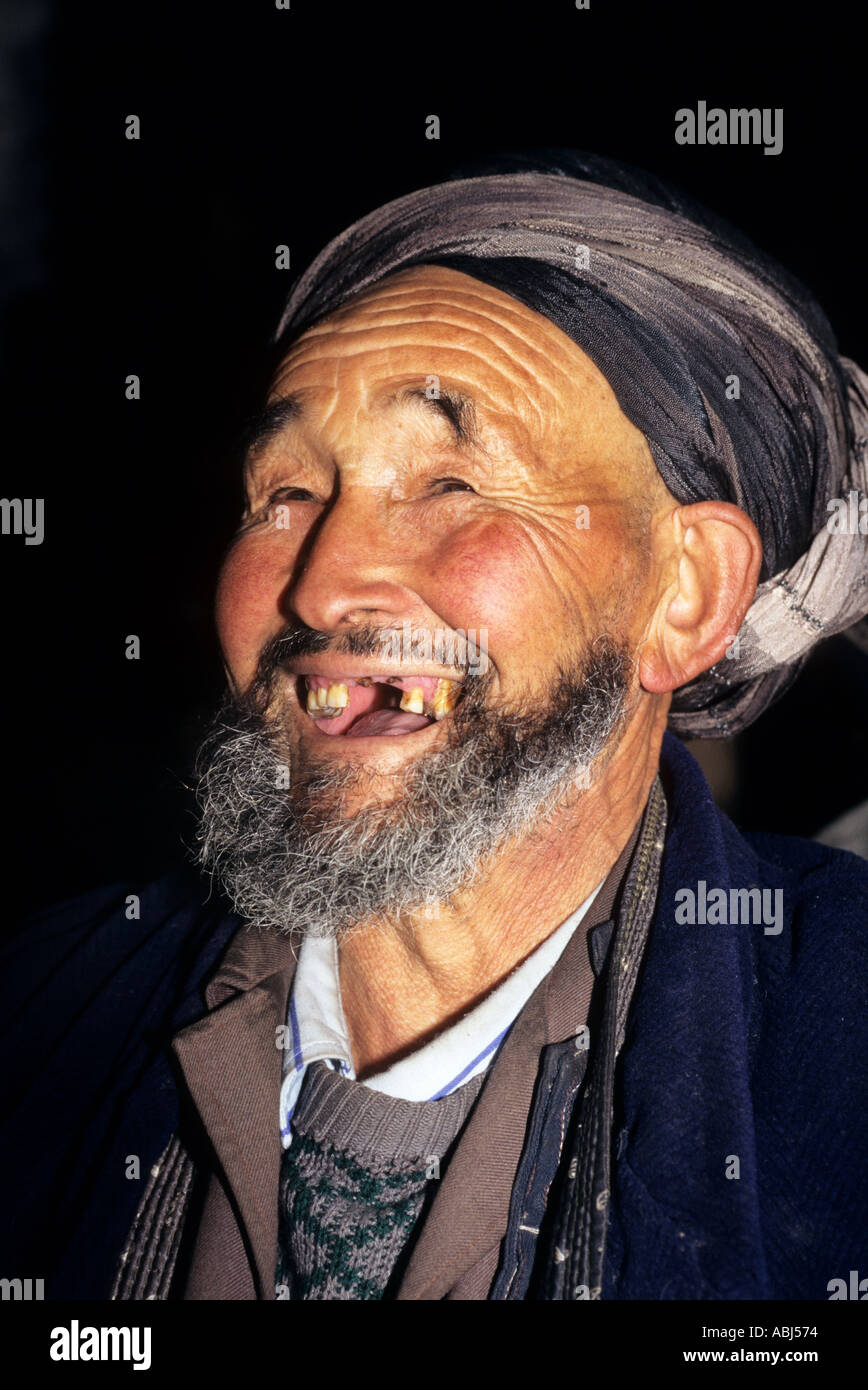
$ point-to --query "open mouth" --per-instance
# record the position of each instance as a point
(374, 706)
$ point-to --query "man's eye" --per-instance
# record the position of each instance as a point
(258, 512)
(290, 494)
(450, 485)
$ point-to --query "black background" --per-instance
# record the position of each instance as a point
(156, 257)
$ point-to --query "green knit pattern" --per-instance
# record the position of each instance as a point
(344, 1223)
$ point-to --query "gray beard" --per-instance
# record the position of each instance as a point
(291, 862)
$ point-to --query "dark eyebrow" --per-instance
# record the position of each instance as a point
(269, 422)
(457, 410)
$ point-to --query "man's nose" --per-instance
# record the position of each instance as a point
(356, 570)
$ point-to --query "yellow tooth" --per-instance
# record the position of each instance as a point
(327, 704)
(413, 701)
(445, 698)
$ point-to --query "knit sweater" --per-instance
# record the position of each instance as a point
(361, 1170)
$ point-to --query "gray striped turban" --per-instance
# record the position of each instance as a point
(669, 302)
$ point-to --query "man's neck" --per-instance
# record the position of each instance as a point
(402, 984)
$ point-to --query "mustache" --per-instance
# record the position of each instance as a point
(296, 640)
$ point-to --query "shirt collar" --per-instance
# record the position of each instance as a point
(316, 1028)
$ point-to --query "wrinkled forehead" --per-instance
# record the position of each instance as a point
(435, 337)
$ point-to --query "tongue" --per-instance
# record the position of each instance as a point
(387, 721)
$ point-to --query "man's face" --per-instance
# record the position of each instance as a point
(444, 490)
(386, 503)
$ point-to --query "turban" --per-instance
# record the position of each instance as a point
(718, 355)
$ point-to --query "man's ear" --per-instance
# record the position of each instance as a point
(714, 561)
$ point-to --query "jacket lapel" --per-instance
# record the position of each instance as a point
(232, 1068)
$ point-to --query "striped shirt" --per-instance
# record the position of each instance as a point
(317, 1030)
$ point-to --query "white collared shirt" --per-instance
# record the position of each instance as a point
(317, 1029)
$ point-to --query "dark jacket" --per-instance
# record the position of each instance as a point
(738, 1044)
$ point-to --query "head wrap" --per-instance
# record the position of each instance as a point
(671, 304)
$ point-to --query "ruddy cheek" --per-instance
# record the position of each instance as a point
(487, 581)
(247, 607)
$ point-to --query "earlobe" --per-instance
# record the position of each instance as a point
(717, 553)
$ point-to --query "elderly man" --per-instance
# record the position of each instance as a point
(506, 1009)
